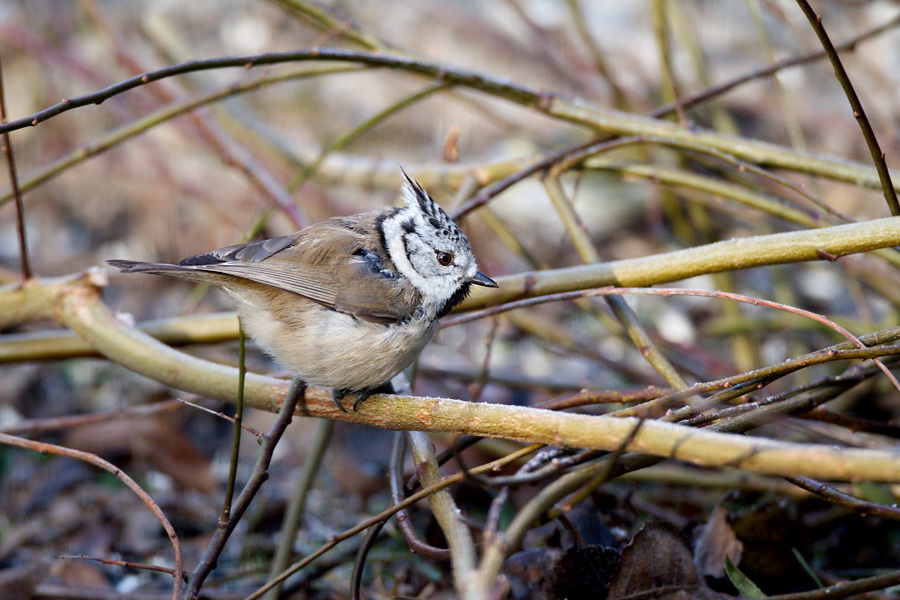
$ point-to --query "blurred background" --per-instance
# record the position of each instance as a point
(248, 165)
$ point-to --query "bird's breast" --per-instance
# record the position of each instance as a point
(329, 348)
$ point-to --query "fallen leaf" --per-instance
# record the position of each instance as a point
(716, 542)
(658, 560)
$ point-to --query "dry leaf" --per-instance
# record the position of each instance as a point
(716, 541)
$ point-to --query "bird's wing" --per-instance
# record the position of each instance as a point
(334, 262)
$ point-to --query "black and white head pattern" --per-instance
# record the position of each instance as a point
(428, 248)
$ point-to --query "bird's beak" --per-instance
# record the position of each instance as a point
(482, 279)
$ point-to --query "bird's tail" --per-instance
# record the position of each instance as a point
(182, 272)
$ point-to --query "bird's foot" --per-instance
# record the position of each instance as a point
(361, 395)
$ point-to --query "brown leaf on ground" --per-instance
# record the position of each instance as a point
(658, 559)
(716, 541)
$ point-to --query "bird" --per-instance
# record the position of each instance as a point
(348, 302)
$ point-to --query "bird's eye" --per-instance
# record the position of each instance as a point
(445, 258)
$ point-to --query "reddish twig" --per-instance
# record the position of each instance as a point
(95, 460)
(610, 290)
(590, 397)
(120, 563)
(33, 426)
(14, 184)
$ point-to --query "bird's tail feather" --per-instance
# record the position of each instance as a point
(182, 272)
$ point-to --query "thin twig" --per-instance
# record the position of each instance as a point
(228, 496)
(664, 55)
(221, 415)
(844, 589)
(129, 130)
(854, 423)
(120, 563)
(359, 562)
(403, 520)
(711, 294)
(14, 184)
(556, 466)
(512, 91)
(492, 523)
(291, 521)
(384, 515)
(477, 386)
(459, 539)
(33, 426)
(623, 312)
(257, 478)
(579, 19)
(890, 195)
(607, 474)
(555, 105)
(836, 496)
(328, 20)
(95, 460)
(707, 94)
(577, 156)
(592, 397)
(347, 138)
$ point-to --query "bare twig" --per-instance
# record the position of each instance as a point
(591, 397)
(512, 91)
(681, 292)
(477, 386)
(384, 515)
(854, 423)
(120, 563)
(831, 494)
(232, 152)
(845, 589)
(228, 496)
(95, 460)
(890, 195)
(359, 563)
(463, 557)
(554, 105)
(700, 97)
(624, 313)
(664, 53)
(403, 521)
(221, 415)
(33, 426)
(611, 463)
(291, 522)
(260, 474)
(347, 138)
(14, 184)
(579, 19)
